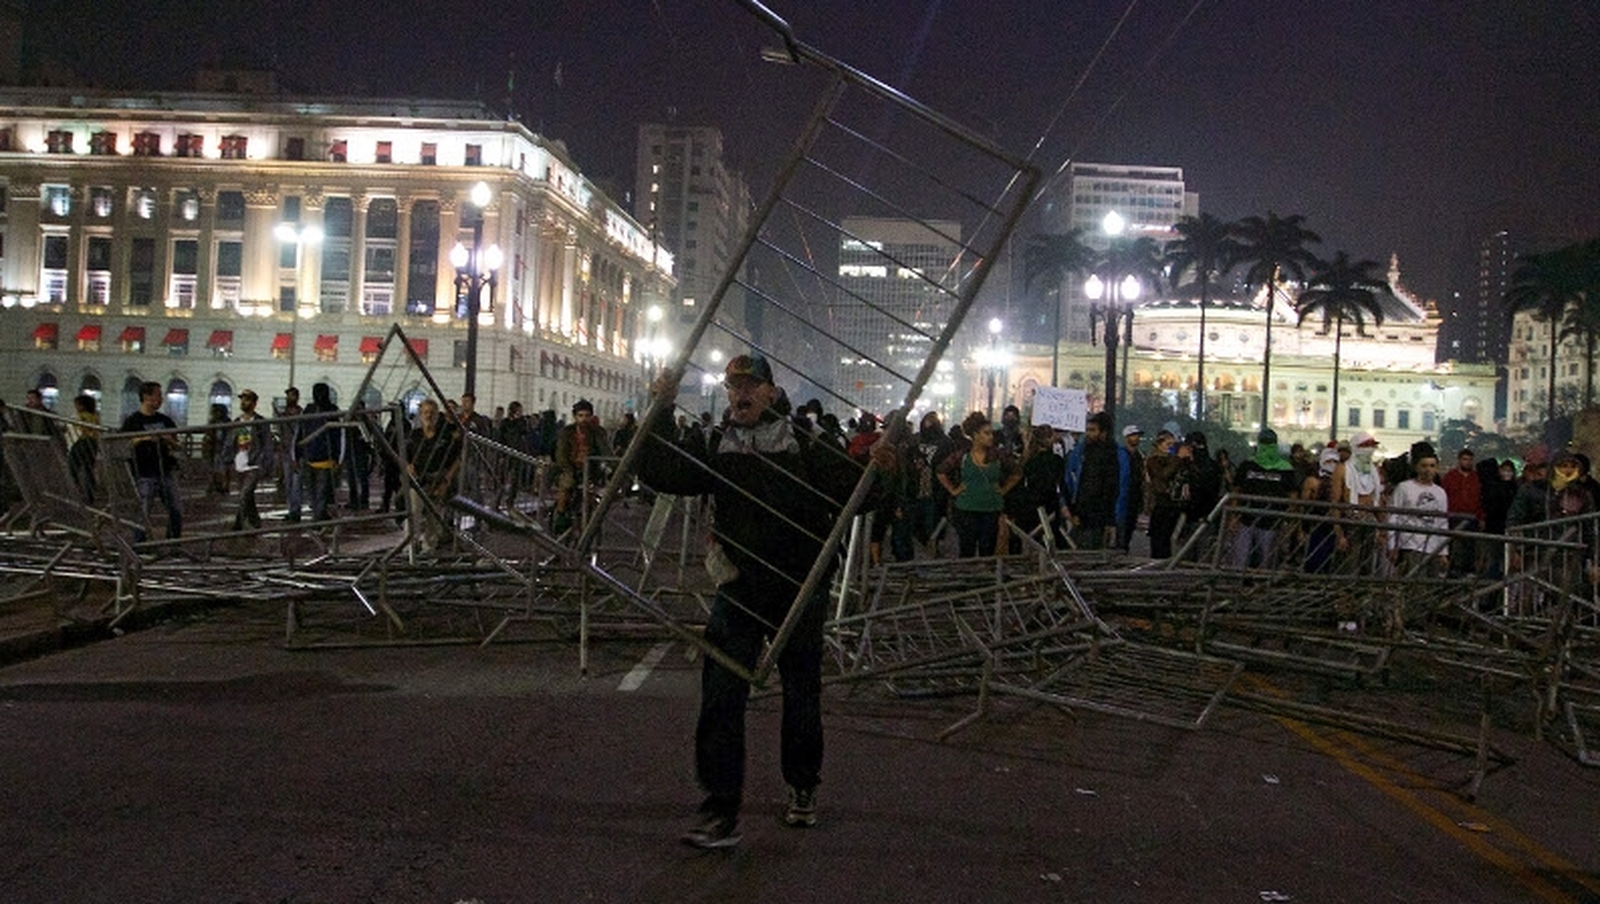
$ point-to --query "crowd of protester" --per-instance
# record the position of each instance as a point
(1323, 509)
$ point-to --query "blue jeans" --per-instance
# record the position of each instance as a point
(165, 488)
(719, 738)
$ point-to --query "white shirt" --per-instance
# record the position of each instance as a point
(1414, 495)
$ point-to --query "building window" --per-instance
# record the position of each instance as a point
(146, 144)
(339, 151)
(89, 337)
(144, 203)
(57, 200)
(47, 336)
(190, 145)
(100, 202)
(422, 270)
(185, 266)
(8, 139)
(474, 155)
(385, 152)
(234, 147)
(286, 300)
(1378, 419)
(177, 342)
(430, 153)
(458, 356)
(132, 339)
(377, 287)
(178, 402)
(326, 348)
(99, 270)
(103, 144)
(294, 149)
(337, 220)
(1402, 419)
(186, 206)
(230, 269)
(230, 208)
(1429, 420)
(53, 280)
(58, 141)
(141, 272)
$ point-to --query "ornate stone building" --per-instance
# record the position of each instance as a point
(213, 242)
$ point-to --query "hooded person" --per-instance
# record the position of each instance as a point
(1271, 479)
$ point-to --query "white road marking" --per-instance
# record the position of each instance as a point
(635, 677)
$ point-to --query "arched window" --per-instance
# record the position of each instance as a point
(412, 398)
(49, 388)
(178, 401)
(221, 394)
(90, 386)
(130, 395)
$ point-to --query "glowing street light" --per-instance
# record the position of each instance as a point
(475, 268)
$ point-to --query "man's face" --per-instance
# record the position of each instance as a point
(1010, 419)
(247, 403)
(292, 397)
(1092, 432)
(427, 411)
(1132, 440)
(150, 400)
(582, 416)
(748, 398)
(35, 399)
(1427, 469)
(467, 402)
(1464, 462)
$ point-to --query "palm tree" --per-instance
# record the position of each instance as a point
(1546, 284)
(1053, 258)
(1341, 290)
(1206, 246)
(1582, 321)
(1275, 249)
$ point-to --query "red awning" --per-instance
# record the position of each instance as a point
(282, 342)
(220, 339)
(420, 346)
(47, 331)
(371, 345)
(326, 342)
(131, 334)
(176, 337)
(89, 332)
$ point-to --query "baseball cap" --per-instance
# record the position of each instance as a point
(749, 366)
(1132, 430)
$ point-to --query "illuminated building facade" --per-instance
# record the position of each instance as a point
(218, 241)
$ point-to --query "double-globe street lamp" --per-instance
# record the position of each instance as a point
(299, 236)
(475, 268)
(994, 360)
(1118, 291)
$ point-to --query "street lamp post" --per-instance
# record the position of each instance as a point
(1115, 291)
(299, 236)
(994, 360)
(475, 268)
(1116, 319)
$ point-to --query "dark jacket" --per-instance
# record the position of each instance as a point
(777, 494)
(1099, 483)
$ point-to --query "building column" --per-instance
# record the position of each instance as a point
(359, 201)
(260, 264)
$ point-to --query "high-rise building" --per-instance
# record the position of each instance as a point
(892, 271)
(217, 241)
(1486, 328)
(1149, 200)
(693, 205)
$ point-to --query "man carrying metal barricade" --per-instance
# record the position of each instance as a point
(777, 493)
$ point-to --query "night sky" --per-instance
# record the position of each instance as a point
(1413, 127)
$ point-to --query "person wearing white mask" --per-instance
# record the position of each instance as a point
(1358, 483)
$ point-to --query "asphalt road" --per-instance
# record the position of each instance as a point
(198, 761)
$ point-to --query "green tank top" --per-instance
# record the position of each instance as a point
(982, 482)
